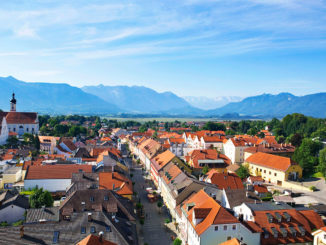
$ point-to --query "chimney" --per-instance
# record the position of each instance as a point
(89, 216)
(100, 236)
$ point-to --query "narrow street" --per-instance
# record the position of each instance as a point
(153, 232)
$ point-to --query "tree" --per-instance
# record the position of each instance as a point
(40, 198)
(296, 139)
(243, 172)
(205, 170)
(177, 241)
(252, 131)
(12, 142)
(212, 126)
(261, 135)
(159, 205)
(244, 126)
(306, 155)
(234, 126)
(322, 161)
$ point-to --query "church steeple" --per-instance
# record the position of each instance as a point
(13, 103)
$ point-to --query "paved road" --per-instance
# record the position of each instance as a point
(308, 197)
(153, 231)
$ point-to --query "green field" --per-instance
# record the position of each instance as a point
(162, 119)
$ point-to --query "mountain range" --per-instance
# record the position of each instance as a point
(139, 99)
(61, 98)
(207, 103)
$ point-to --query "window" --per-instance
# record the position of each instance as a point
(225, 227)
(91, 199)
(56, 236)
(265, 171)
(106, 198)
(27, 129)
(234, 227)
(107, 228)
(216, 228)
(229, 238)
(261, 170)
(83, 230)
(270, 172)
(275, 174)
(93, 230)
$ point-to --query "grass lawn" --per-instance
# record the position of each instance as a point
(26, 193)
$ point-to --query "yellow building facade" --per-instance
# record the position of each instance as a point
(272, 168)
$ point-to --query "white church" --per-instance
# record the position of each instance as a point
(17, 122)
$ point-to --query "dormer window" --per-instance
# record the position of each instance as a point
(266, 233)
(83, 230)
(278, 217)
(302, 230)
(283, 231)
(287, 216)
(93, 230)
(275, 232)
(269, 217)
(293, 231)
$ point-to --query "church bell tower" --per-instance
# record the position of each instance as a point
(13, 103)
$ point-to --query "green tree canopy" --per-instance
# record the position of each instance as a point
(306, 155)
(243, 171)
(40, 198)
(322, 161)
(213, 126)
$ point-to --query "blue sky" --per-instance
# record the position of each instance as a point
(191, 47)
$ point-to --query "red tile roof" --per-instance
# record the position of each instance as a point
(307, 219)
(150, 147)
(271, 148)
(210, 212)
(94, 240)
(20, 117)
(213, 139)
(115, 181)
(208, 154)
(69, 144)
(270, 161)
(162, 159)
(227, 181)
(233, 241)
(260, 188)
(58, 171)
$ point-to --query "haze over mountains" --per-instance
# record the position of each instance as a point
(207, 103)
(60, 98)
(139, 99)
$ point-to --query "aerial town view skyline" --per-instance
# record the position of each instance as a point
(191, 122)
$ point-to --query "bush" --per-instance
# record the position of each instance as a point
(313, 188)
(167, 221)
(18, 223)
(243, 172)
(40, 198)
(177, 241)
(4, 224)
(265, 199)
(141, 221)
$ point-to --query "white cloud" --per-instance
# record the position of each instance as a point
(26, 31)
